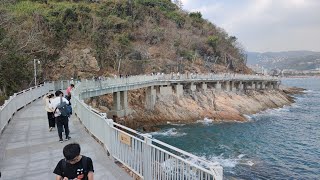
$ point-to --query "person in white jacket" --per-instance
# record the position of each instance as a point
(62, 121)
(51, 119)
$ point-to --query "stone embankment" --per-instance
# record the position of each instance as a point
(218, 106)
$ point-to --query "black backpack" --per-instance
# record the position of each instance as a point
(84, 162)
(63, 108)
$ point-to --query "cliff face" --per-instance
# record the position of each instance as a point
(218, 106)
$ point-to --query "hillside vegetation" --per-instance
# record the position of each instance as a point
(81, 39)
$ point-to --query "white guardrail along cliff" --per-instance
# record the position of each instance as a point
(148, 158)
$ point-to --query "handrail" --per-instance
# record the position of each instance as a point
(145, 80)
(19, 100)
(147, 157)
(143, 151)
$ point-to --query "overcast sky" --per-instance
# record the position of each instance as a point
(265, 25)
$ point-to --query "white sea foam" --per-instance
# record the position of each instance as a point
(308, 91)
(178, 124)
(168, 132)
(231, 162)
(205, 121)
(250, 163)
(275, 111)
(249, 117)
(283, 109)
(175, 124)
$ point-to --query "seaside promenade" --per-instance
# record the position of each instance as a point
(29, 151)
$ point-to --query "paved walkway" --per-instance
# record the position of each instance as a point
(29, 151)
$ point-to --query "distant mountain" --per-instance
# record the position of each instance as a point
(297, 60)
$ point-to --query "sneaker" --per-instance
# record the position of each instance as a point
(68, 138)
(61, 140)
(50, 129)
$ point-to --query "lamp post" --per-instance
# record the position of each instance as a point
(35, 70)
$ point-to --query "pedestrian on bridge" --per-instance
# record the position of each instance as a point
(59, 104)
(74, 166)
(68, 91)
(51, 119)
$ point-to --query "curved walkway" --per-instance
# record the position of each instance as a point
(29, 151)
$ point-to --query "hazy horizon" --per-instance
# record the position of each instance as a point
(265, 25)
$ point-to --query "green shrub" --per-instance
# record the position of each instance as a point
(2, 99)
(25, 8)
(163, 5)
(156, 35)
(213, 41)
(118, 8)
(123, 39)
(186, 54)
(70, 15)
(195, 15)
(117, 23)
(177, 17)
(14, 72)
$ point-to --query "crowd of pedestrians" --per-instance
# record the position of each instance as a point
(74, 165)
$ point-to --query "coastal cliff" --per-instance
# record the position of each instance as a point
(218, 106)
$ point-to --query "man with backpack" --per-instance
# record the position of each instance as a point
(61, 113)
(74, 166)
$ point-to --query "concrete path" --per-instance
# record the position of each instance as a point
(29, 151)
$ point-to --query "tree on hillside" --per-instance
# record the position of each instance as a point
(178, 3)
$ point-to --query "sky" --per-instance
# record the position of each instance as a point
(265, 25)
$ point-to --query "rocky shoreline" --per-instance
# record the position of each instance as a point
(218, 106)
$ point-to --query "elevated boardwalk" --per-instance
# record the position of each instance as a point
(28, 151)
(169, 85)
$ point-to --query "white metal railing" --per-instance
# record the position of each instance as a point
(147, 157)
(142, 79)
(19, 100)
(142, 154)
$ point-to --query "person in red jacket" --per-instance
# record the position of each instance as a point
(68, 91)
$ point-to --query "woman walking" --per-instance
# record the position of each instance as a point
(51, 119)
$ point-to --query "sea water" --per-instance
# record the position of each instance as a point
(279, 143)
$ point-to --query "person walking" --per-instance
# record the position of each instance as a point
(68, 91)
(59, 104)
(74, 165)
(51, 119)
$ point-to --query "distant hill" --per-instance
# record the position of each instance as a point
(296, 60)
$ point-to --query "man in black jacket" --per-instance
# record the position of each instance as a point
(74, 165)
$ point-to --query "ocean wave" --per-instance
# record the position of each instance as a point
(308, 91)
(249, 117)
(168, 132)
(205, 121)
(285, 108)
(178, 124)
(175, 124)
(231, 162)
(275, 111)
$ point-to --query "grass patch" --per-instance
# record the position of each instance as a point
(27, 8)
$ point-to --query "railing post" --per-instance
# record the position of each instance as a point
(147, 170)
(217, 171)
